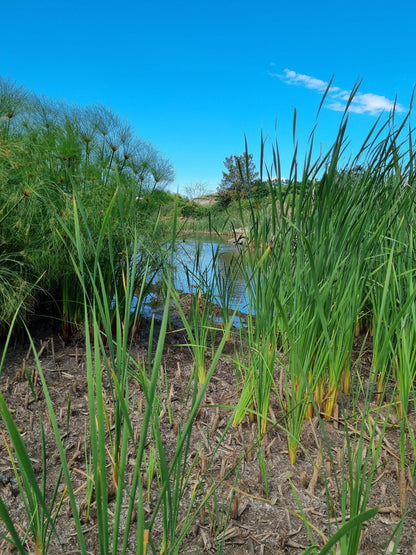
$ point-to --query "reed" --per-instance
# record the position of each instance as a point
(335, 243)
(261, 340)
(41, 506)
(359, 465)
(324, 233)
(198, 321)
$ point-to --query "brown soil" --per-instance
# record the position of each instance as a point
(259, 522)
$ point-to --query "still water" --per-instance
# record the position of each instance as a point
(210, 266)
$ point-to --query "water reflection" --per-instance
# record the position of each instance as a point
(210, 266)
(213, 267)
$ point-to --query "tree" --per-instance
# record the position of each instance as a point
(195, 189)
(238, 179)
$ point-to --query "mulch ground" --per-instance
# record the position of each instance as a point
(261, 519)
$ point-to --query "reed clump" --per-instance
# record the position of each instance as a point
(333, 248)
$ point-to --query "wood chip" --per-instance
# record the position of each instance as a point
(315, 475)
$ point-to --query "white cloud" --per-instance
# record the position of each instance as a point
(362, 103)
(373, 103)
(292, 78)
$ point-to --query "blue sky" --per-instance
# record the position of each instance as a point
(196, 77)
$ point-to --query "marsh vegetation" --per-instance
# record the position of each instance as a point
(286, 427)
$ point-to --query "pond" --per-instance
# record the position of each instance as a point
(208, 265)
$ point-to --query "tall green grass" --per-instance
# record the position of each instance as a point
(114, 434)
(330, 255)
(315, 256)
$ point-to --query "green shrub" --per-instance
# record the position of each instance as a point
(51, 153)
